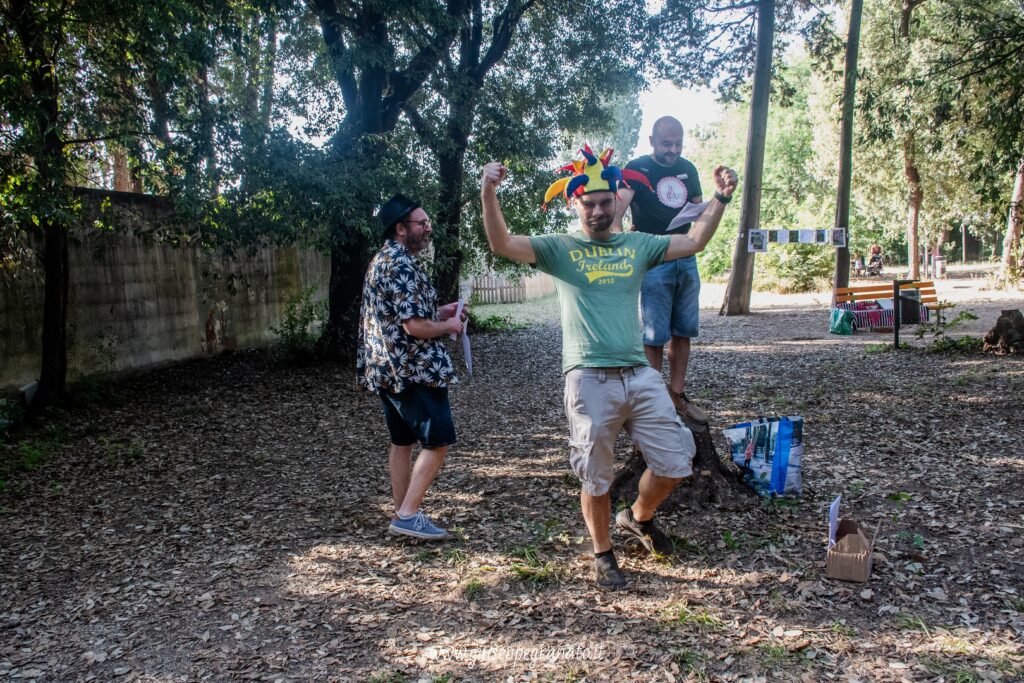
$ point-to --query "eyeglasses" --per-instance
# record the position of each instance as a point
(425, 223)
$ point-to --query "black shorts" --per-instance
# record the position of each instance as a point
(421, 414)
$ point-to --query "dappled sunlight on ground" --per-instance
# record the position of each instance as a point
(245, 536)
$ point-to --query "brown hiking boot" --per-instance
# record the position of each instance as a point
(687, 409)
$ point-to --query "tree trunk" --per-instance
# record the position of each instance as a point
(741, 279)
(119, 162)
(350, 245)
(207, 118)
(714, 481)
(52, 180)
(269, 70)
(341, 333)
(1007, 335)
(914, 197)
(842, 272)
(160, 107)
(1012, 263)
(449, 219)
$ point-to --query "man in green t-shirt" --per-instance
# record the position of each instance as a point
(608, 383)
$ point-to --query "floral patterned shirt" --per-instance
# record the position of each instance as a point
(397, 289)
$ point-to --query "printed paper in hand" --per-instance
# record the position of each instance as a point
(833, 521)
(458, 313)
(689, 214)
(466, 352)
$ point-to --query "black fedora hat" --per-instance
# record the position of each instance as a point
(393, 211)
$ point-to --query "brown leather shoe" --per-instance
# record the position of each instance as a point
(687, 409)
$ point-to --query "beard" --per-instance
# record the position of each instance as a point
(599, 224)
(417, 244)
(665, 159)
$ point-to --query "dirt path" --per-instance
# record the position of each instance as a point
(225, 521)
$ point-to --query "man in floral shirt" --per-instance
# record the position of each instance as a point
(402, 359)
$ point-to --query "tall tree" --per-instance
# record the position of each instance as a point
(481, 45)
(34, 38)
(379, 56)
(741, 279)
(979, 46)
(73, 74)
(842, 272)
(503, 58)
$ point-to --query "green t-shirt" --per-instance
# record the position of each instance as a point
(598, 285)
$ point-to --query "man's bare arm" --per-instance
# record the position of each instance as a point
(625, 196)
(424, 328)
(704, 227)
(514, 247)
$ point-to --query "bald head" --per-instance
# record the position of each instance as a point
(666, 124)
(666, 140)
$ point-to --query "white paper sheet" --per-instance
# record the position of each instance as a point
(783, 237)
(838, 237)
(806, 237)
(466, 351)
(833, 521)
(458, 313)
(757, 240)
(688, 214)
(467, 354)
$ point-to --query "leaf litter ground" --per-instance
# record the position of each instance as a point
(225, 520)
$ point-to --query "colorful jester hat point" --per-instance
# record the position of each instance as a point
(592, 174)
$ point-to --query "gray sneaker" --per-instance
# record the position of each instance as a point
(652, 538)
(417, 526)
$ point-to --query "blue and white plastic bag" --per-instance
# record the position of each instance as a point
(769, 451)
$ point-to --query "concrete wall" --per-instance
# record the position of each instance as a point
(136, 301)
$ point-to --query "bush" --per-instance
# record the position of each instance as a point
(966, 345)
(793, 268)
(11, 413)
(299, 331)
(492, 323)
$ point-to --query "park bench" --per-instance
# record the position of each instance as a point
(915, 303)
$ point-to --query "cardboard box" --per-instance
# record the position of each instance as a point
(850, 558)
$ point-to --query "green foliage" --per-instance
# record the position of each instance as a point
(533, 568)
(941, 342)
(29, 454)
(388, 677)
(698, 619)
(96, 390)
(731, 540)
(966, 345)
(899, 499)
(492, 323)
(298, 334)
(795, 268)
(11, 413)
(473, 589)
(796, 193)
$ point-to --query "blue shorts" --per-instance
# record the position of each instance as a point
(670, 301)
(421, 414)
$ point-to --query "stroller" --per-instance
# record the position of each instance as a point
(874, 267)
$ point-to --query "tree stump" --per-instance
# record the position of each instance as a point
(1007, 336)
(714, 482)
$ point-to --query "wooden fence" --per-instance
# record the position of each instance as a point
(498, 289)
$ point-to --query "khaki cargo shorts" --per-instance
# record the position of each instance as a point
(601, 401)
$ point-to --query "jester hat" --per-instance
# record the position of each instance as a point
(592, 174)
